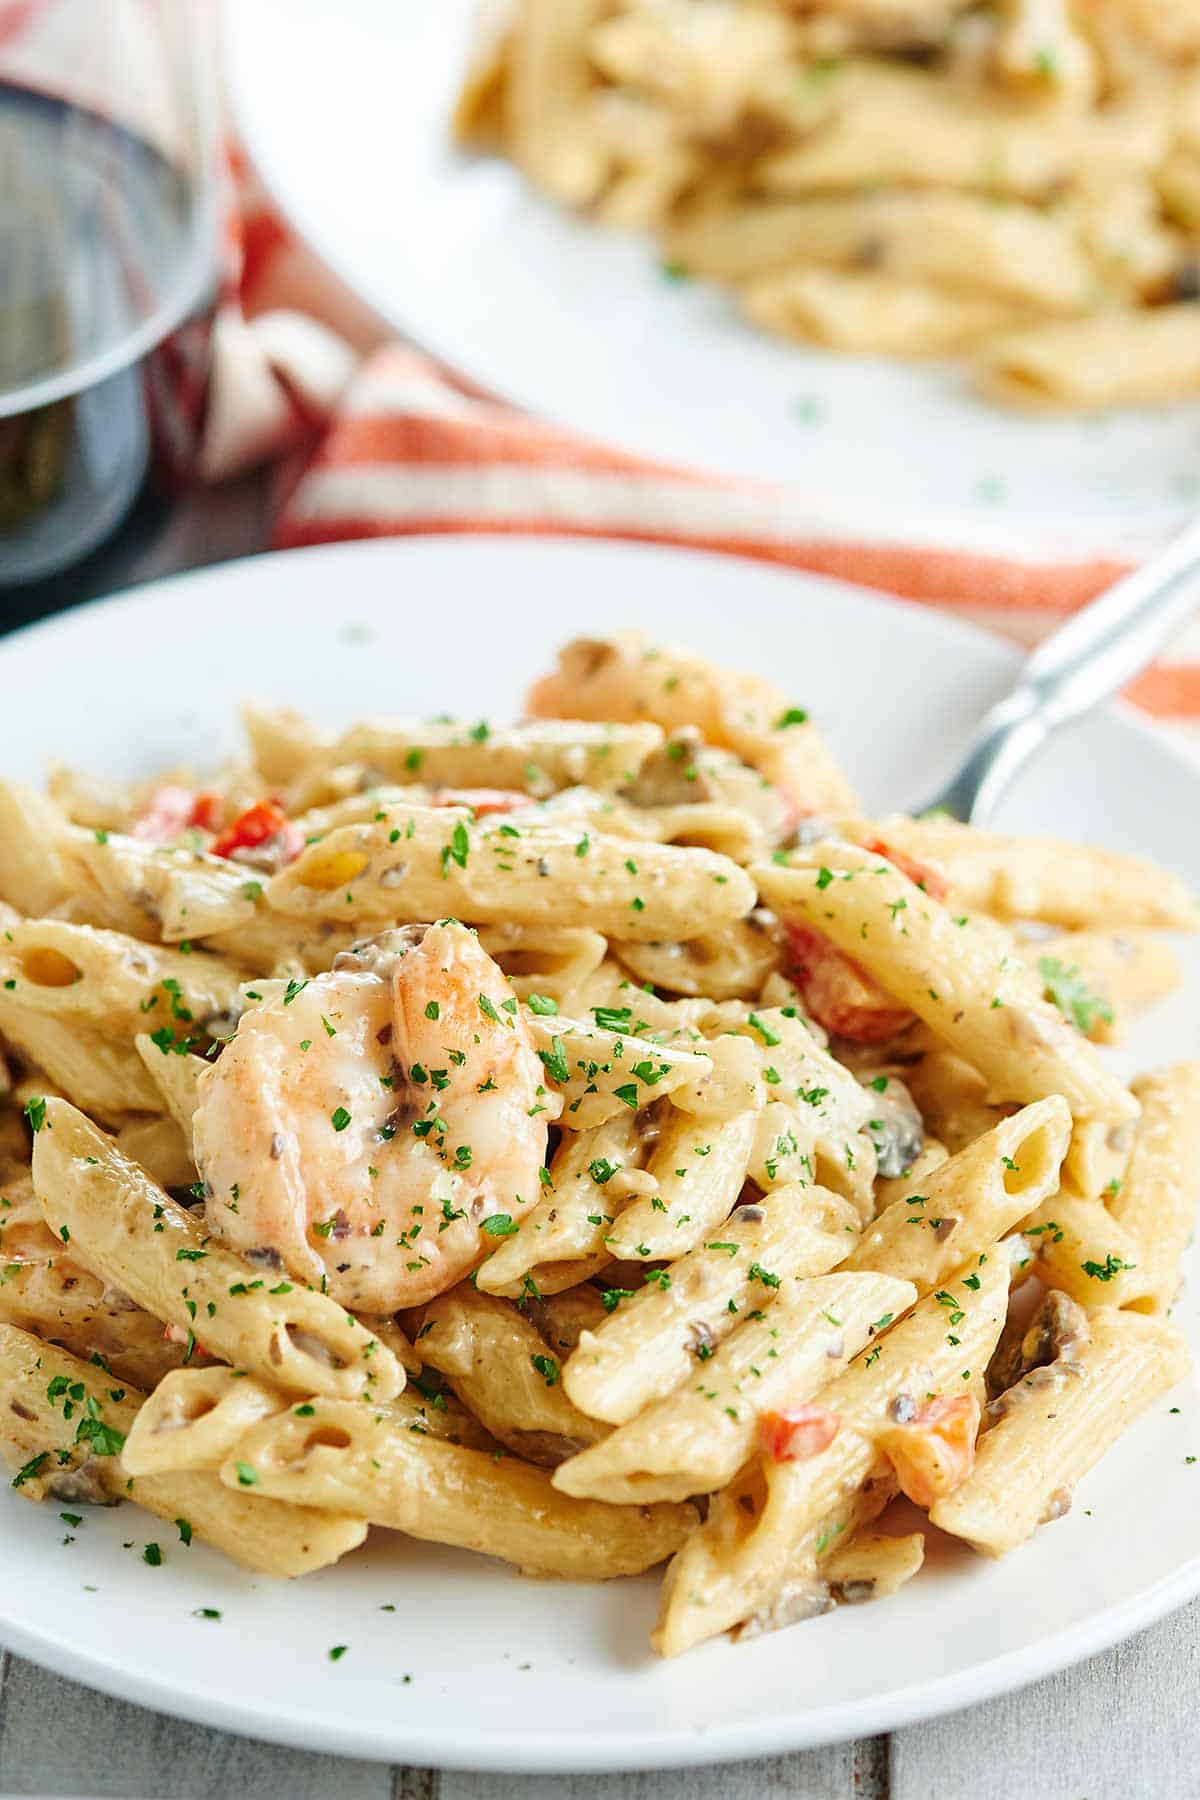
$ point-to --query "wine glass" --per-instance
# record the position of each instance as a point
(108, 266)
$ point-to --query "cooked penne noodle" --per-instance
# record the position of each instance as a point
(76, 1455)
(1085, 1252)
(345, 1455)
(176, 1077)
(194, 1418)
(873, 314)
(971, 1200)
(695, 1438)
(159, 1146)
(1070, 885)
(952, 1096)
(1051, 1431)
(730, 964)
(601, 1072)
(761, 1558)
(554, 963)
(570, 1222)
(986, 1007)
(873, 1566)
(1116, 359)
(536, 759)
(1156, 1200)
(114, 984)
(1013, 253)
(100, 1074)
(699, 1168)
(149, 1246)
(629, 676)
(428, 863)
(154, 891)
(660, 1335)
(32, 877)
(47, 1291)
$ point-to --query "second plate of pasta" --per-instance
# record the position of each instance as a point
(781, 250)
(552, 1109)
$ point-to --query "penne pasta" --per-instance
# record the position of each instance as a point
(758, 1554)
(969, 1201)
(150, 1247)
(1050, 1432)
(76, 1454)
(949, 976)
(694, 1439)
(428, 862)
(666, 1331)
(1071, 886)
(1156, 1201)
(345, 1454)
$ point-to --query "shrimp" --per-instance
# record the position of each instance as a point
(363, 1128)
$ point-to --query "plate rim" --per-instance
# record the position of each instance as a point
(488, 1750)
(492, 1752)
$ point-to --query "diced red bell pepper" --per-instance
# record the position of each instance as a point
(934, 1452)
(923, 874)
(208, 810)
(798, 1432)
(265, 819)
(839, 994)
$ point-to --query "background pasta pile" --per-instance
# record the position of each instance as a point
(1017, 181)
(839, 1201)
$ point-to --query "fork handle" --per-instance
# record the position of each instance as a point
(1088, 658)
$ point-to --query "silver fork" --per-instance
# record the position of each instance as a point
(1096, 652)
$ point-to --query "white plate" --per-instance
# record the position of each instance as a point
(345, 111)
(507, 1673)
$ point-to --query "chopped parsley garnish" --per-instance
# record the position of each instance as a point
(33, 1468)
(1105, 1271)
(1069, 992)
(612, 1018)
(555, 1061)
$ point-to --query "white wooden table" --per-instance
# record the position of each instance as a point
(1122, 1727)
(1125, 1726)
